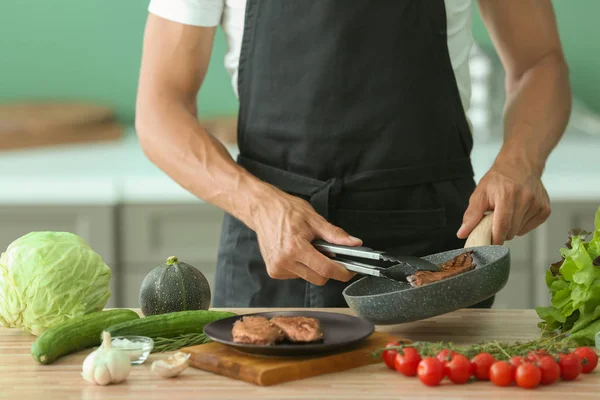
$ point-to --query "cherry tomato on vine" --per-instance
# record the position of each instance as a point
(515, 361)
(481, 364)
(570, 366)
(458, 369)
(528, 376)
(502, 373)
(589, 359)
(549, 369)
(430, 371)
(389, 356)
(445, 355)
(407, 360)
(533, 356)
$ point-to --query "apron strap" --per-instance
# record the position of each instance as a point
(322, 194)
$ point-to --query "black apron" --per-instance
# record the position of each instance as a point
(354, 107)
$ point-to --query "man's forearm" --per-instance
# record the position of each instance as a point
(536, 113)
(173, 139)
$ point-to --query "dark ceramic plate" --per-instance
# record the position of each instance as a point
(340, 332)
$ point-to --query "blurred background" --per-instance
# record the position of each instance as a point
(70, 161)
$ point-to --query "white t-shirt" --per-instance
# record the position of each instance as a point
(229, 14)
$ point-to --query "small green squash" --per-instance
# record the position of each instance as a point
(174, 286)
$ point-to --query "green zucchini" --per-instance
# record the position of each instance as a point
(77, 334)
(169, 325)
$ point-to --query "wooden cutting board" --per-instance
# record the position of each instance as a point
(26, 125)
(266, 371)
(107, 131)
(49, 116)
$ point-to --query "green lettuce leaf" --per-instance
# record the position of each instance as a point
(551, 316)
(585, 336)
(558, 285)
(580, 294)
(571, 320)
(587, 315)
(578, 266)
(562, 298)
(594, 245)
(574, 285)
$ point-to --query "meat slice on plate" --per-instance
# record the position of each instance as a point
(256, 330)
(299, 329)
(455, 266)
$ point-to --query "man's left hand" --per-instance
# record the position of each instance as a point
(517, 197)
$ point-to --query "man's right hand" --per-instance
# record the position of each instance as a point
(286, 226)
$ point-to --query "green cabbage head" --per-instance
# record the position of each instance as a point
(47, 278)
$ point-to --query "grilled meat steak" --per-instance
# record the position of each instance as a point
(299, 329)
(256, 330)
(457, 265)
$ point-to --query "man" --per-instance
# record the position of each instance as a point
(351, 129)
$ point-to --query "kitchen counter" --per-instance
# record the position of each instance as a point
(119, 172)
(22, 378)
(106, 173)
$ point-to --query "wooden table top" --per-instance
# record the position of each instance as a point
(22, 378)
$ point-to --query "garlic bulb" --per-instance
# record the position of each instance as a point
(106, 364)
(174, 365)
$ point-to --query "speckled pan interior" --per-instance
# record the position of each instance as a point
(385, 302)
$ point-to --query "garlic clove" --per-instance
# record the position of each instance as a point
(119, 366)
(173, 366)
(179, 358)
(87, 369)
(102, 375)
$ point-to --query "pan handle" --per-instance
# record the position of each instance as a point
(481, 235)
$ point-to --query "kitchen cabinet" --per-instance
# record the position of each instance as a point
(517, 292)
(151, 232)
(95, 224)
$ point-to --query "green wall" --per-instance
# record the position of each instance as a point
(580, 35)
(87, 49)
(90, 50)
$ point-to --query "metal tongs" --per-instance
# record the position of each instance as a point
(379, 264)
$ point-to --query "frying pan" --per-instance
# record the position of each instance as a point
(384, 301)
